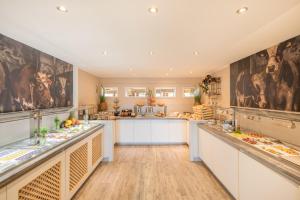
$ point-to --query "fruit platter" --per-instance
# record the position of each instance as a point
(268, 145)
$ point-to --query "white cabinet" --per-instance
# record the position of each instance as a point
(109, 138)
(221, 158)
(78, 166)
(177, 131)
(47, 181)
(125, 132)
(258, 182)
(160, 131)
(3, 193)
(142, 131)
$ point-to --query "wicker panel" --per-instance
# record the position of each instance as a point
(78, 165)
(96, 148)
(46, 186)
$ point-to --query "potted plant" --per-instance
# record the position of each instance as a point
(102, 100)
(197, 96)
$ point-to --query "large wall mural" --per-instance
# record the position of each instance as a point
(31, 79)
(269, 79)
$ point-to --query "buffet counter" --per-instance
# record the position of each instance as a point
(248, 168)
(24, 158)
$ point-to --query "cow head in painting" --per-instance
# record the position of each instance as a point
(42, 90)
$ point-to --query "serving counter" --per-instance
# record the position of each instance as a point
(58, 166)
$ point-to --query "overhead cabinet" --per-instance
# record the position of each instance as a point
(154, 131)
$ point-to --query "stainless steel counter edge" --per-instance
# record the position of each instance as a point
(288, 170)
(15, 173)
(152, 118)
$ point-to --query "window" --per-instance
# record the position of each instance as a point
(135, 92)
(111, 91)
(165, 92)
(188, 92)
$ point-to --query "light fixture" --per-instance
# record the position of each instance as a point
(104, 53)
(242, 10)
(62, 8)
(151, 53)
(196, 53)
(153, 10)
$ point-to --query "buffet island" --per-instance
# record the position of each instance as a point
(53, 168)
(246, 161)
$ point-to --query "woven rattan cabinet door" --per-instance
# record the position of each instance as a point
(96, 143)
(77, 167)
(46, 182)
(3, 193)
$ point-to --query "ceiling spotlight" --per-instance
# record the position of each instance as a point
(242, 10)
(62, 8)
(196, 53)
(153, 10)
(104, 53)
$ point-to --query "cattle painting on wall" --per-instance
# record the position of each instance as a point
(31, 79)
(269, 79)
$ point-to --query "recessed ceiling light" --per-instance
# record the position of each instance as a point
(62, 8)
(196, 53)
(153, 9)
(242, 10)
(104, 53)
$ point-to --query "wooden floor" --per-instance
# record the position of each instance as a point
(152, 172)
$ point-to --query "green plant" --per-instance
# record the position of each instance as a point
(57, 122)
(102, 94)
(43, 132)
(197, 95)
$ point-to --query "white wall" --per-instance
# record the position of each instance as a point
(179, 103)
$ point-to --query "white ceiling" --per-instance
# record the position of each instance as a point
(128, 32)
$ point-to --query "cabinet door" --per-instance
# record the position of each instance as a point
(205, 148)
(3, 193)
(77, 166)
(142, 132)
(46, 181)
(260, 183)
(125, 131)
(96, 143)
(160, 131)
(225, 164)
(177, 131)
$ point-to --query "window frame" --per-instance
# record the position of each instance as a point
(169, 97)
(112, 88)
(129, 87)
(185, 88)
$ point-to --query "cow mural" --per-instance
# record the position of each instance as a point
(269, 79)
(28, 78)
